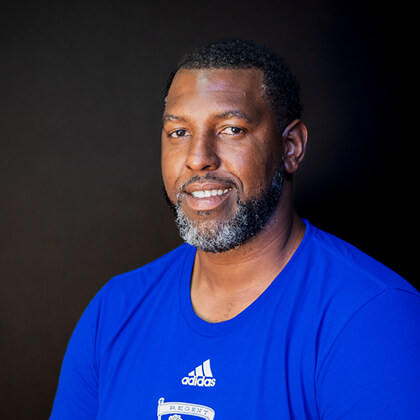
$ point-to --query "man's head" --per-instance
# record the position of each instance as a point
(223, 154)
(281, 88)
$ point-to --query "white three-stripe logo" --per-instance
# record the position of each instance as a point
(201, 376)
(202, 370)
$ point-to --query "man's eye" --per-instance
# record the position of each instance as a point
(178, 133)
(232, 130)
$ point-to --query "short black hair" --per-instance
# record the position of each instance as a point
(281, 88)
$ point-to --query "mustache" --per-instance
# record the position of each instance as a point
(197, 178)
(207, 177)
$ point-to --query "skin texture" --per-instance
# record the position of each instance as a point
(217, 124)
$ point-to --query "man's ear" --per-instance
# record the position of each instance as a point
(294, 137)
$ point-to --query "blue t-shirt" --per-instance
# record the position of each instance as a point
(335, 336)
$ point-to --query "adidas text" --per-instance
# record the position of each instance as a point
(198, 381)
(200, 376)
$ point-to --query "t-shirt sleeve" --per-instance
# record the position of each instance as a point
(77, 391)
(372, 370)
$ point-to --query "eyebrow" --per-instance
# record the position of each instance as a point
(221, 116)
(233, 113)
(170, 117)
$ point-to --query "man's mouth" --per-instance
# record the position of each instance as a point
(205, 195)
(209, 193)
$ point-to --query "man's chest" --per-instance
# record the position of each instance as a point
(172, 371)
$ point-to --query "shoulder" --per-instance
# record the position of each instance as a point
(149, 275)
(348, 287)
(122, 294)
(130, 295)
(351, 268)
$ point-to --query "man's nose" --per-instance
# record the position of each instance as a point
(202, 153)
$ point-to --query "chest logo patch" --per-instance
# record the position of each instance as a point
(200, 376)
(174, 411)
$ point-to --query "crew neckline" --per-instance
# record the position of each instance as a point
(209, 329)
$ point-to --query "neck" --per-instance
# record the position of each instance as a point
(224, 284)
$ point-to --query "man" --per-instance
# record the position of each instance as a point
(260, 314)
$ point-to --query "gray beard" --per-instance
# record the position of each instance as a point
(250, 217)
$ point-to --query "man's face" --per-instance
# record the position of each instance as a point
(221, 154)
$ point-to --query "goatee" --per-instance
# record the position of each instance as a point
(249, 218)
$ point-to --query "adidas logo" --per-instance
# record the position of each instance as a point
(200, 376)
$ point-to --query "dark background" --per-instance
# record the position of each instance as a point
(81, 88)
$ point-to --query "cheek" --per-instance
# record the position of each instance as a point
(255, 169)
(172, 168)
(169, 170)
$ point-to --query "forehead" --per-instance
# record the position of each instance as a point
(217, 88)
